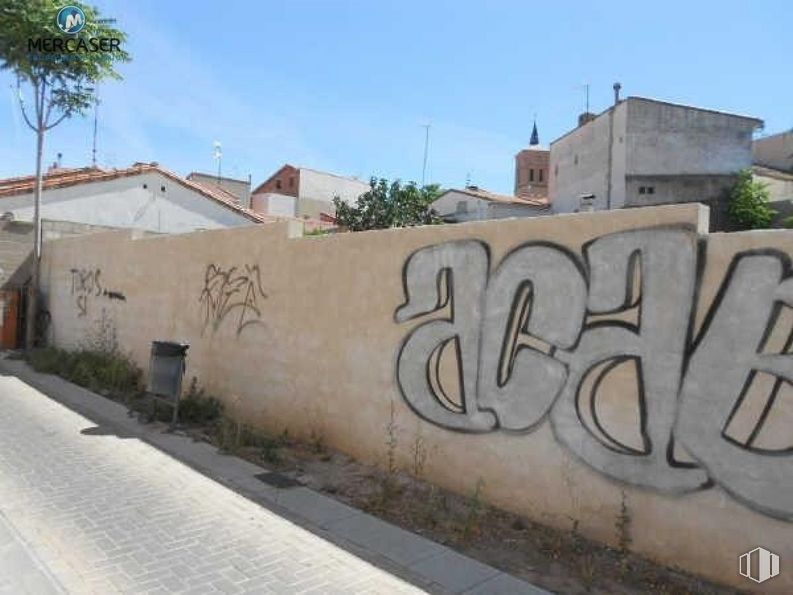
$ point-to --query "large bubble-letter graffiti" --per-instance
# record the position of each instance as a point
(542, 333)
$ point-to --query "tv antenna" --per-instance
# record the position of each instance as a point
(217, 155)
(426, 152)
(97, 101)
(586, 97)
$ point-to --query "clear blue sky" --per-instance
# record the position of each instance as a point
(345, 86)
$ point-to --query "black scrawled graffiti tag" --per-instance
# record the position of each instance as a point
(535, 337)
(234, 292)
(87, 284)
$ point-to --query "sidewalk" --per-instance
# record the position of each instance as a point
(335, 543)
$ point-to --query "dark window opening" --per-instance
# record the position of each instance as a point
(650, 189)
(531, 175)
(642, 189)
(292, 182)
(162, 188)
(145, 186)
(540, 174)
(575, 160)
(278, 184)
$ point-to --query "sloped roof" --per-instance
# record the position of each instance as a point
(65, 177)
(770, 172)
(540, 202)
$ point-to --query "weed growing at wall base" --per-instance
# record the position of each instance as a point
(111, 373)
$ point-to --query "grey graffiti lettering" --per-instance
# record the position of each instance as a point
(452, 274)
(726, 357)
(537, 291)
(667, 265)
(542, 333)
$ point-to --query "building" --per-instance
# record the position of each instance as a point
(240, 189)
(144, 196)
(775, 151)
(306, 193)
(531, 169)
(474, 204)
(773, 166)
(643, 152)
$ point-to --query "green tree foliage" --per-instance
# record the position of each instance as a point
(749, 207)
(61, 82)
(387, 205)
(58, 72)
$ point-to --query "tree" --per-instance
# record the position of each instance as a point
(387, 205)
(58, 71)
(748, 206)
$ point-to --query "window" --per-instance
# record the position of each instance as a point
(278, 184)
(292, 182)
(162, 188)
(539, 173)
(531, 175)
(575, 160)
(642, 189)
(556, 170)
(646, 189)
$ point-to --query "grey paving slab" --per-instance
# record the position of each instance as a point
(504, 584)
(396, 544)
(316, 508)
(454, 571)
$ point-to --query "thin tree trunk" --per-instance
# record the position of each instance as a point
(33, 294)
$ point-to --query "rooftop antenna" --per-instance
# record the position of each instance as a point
(217, 155)
(467, 179)
(426, 152)
(586, 97)
(96, 118)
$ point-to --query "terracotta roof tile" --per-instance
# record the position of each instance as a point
(533, 201)
(62, 178)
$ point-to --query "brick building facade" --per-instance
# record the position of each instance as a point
(531, 169)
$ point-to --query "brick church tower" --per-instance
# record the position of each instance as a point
(531, 169)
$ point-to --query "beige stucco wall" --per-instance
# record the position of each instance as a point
(323, 354)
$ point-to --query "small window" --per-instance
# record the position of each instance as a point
(556, 169)
(642, 190)
(650, 189)
(145, 186)
(575, 160)
(292, 182)
(278, 184)
(162, 188)
(531, 175)
(539, 174)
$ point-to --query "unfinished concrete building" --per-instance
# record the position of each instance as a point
(642, 152)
